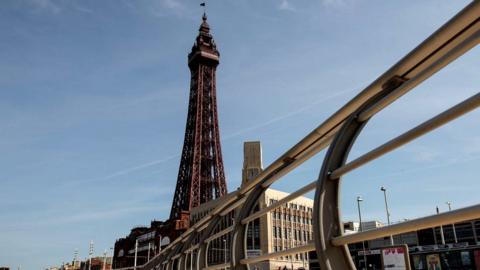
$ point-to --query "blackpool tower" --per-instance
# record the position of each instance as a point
(201, 177)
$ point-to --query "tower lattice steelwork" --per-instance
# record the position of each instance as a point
(201, 177)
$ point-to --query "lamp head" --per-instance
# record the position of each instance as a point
(382, 188)
(359, 199)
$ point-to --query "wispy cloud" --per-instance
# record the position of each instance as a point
(170, 7)
(83, 9)
(128, 170)
(423, 154)
(45, 5)
(454, 161)
(289, 114)
(172, 4)
(331, 3)
(96, 215)
(56, 7)
(230, 136)
(285, 5)
(50, 218)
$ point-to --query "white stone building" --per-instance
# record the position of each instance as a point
(287, 226)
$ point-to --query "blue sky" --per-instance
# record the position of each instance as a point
(93, 105)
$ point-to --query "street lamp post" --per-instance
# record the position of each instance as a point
(104, 259)
(148, 253)
(112, 251)
(442, 236)
(388, 211)
(359, 199)
(90, 253)
(159, 243)
(191, 260)
(453, 224)
(135, 259)
(225, 252)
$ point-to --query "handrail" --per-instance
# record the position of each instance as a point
(299, 249)
(454, 216)
(309, 187)
(427, 126)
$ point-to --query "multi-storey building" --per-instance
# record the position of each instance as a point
(287, 226)
(452, 246)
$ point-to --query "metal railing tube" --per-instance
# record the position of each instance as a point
(300, 249)
(226, 201)
(454, 216)
(317, 147)
(407, 66)
(279, 203)
(192, 248)
(233, 206)
(443, 61)
(217, 266)
(220, 233)
(435, 122)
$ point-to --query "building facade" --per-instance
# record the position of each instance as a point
(149, 241)
(287, 226)
(449, 247)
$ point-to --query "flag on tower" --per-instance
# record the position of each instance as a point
(202, 4)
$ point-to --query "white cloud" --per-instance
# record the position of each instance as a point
(423, 154)
(334, 3)
(285, 5)
(172, 4)
(472, 145)
(102, 214)
(163, 8)
(84, 9)
(47, 5)
(55, 7)
(307, 107)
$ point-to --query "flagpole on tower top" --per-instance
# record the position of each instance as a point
(204, 7)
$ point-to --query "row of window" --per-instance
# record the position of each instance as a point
(296, 257)
(288, 233)
(294, 206)
(293, 218)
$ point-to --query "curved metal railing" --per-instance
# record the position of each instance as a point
(338, 133)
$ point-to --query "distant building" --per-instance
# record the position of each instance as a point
(461, 254)
(98, 263)
(74, 265)
(150, 240)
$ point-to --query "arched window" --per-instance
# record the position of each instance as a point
(165, 241)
